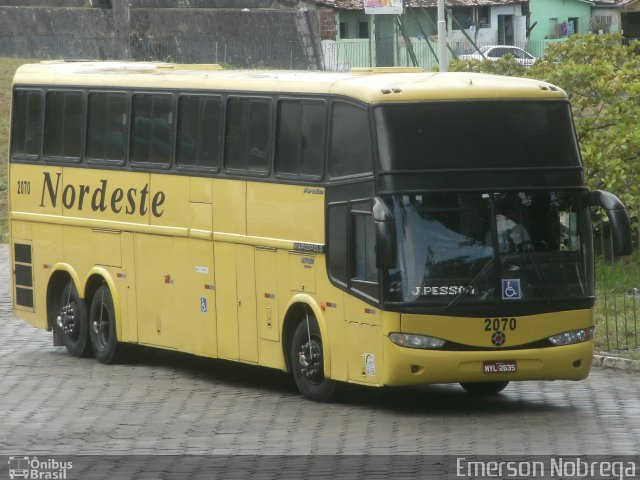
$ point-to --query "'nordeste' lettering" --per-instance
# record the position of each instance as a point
(132, 200)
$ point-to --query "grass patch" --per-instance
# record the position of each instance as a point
(8, 67)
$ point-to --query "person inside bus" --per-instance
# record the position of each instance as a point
(512, 236)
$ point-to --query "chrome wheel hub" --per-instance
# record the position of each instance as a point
(67, 319)
(310, 361)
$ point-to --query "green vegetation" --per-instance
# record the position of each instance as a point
(8, 67)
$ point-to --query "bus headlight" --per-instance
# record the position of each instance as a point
(575, 336)
(416, 341)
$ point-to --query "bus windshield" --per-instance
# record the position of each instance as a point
(474, 248)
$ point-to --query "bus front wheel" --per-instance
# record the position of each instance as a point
(71, 322)
(484, 388)
(102, 326)
(306, 357)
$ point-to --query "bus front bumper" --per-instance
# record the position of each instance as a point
(410, 366)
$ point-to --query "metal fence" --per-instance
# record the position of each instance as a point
(194, 49)
(617, 293)
(343, 55)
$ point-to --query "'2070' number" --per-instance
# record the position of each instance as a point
(24, 187)
(495, 324)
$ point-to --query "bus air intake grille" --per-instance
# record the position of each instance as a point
(23, 274)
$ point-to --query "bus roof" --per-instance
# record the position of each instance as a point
(368, 85)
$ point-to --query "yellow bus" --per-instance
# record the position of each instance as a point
(378, 227)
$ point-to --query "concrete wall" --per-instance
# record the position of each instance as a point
(269, 33)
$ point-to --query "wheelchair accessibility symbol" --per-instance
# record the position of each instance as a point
(511, 289)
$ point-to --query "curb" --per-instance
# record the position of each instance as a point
(618, 363)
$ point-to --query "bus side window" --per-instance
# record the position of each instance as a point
(27, 123)
(152, 136)
(351, 152)
(364, 274)
(248, 134)
(107, 126)
(199, 131)
(300, 144)
(64, 124)
(337, 244)
(364, 248)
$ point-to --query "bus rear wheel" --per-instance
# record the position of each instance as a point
(484, 388)
(71, 322)
(102, 326)
(306, 357)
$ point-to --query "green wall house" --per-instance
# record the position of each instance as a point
(558, 19)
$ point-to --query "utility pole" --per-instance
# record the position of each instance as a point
(442, 38)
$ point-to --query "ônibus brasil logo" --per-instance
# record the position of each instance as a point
(34, 468)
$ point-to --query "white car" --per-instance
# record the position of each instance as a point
(494, 52)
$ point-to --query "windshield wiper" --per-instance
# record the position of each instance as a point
(469, 287)
(529, 252)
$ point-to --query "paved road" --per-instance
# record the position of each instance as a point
(167, 403)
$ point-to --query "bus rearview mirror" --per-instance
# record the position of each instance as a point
(386, 251)
(618, 219)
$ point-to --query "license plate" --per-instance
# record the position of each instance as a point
(500, 366)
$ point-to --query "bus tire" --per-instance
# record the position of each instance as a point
(306, 356)
(71, 322)
(484, 388)
(102, 327)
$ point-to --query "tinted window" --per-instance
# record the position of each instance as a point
(301, 137)
(107, 126)
(248, 136)
(476, 134)
(27, 123)
(337, 245)
(199, 131)
(364, 248)
(152, 129)
(64, 124)
(351, 152)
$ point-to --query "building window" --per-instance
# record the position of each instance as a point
(363, 29)
(601, 23)
(464, 17)
(483, 16)
(572, 26)
(480, 17)
(553, 28)
(344, 32)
